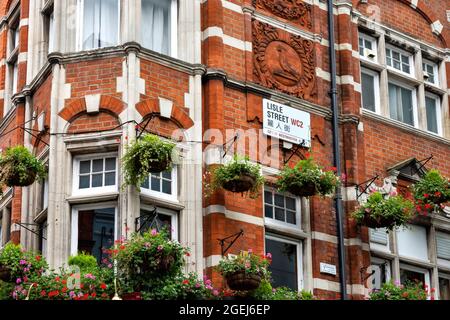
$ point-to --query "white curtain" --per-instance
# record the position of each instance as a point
(155, 26)
(100, 25)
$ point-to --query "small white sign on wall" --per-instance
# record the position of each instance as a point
(286, 123)
(327, 268)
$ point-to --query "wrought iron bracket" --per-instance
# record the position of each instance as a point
(138, 126)
(422, 162)
(230, 243)
(27, 226)
(368, 184)
(152, 216)
(297, 148)
(231, 142)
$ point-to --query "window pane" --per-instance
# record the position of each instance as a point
(393, 101)
(268, 211)
(432, 124)
(110, 179)
(156, 25)
(411, 276)
(290, 203)
(388, 61)
(97, 180)
(167, 187)
(268, 197)
(405, 68)
(156, 184)
(279, 214)
(290, 217)
(146, 183)
(167, 175)
(368, 92)
(396, 65)
(368, 44)
(396, 55)
(284, 263)
(407, 106)
(96, 231)
(405, 59)
(110, 164)
(101, 18)
(84, 182)
(279, 200)
(97, 165)
(85, 166)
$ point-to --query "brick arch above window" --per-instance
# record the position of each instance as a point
(178, 114)
(78, 106)
(87, 122)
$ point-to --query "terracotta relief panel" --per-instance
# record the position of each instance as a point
(283, 61)
(295, 11)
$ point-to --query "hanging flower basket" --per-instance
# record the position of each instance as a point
(381, 212)
(238, 176)
(307, 179)
(5, 273)
(431, 192)
(242, 281)
(150, 154)
(163, 263)
(20, 168)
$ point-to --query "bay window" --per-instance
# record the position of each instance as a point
(99, 23)
(159, 25)
(402, 103)
(93, 229)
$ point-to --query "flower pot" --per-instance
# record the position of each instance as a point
(376, 223)
(13, 179)
(242, 184)
(5, 273)
(132, 296)
(241, 281)
(306, 190)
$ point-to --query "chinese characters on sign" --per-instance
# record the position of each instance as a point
(286, 123)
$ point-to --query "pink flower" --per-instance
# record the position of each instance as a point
(215, 293)
(197, 285)
(18, 280)
(269, 255)
(22, 262)
(393, 193)
(250, 250)
(154, 232)
(247, 265)
(160, 248)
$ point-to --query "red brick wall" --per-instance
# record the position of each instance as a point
(87, 122)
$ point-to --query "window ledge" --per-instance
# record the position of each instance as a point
(292, 232)
(435, 89)
(404, 126)
(87, 143)
(93, 198)
(372, 65)
(41, 216)
(170, 204)
(408, 79)
(416, 262)
(383, 254)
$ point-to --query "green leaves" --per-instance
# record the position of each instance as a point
(304, 173)
(18, 163)
(431, 191)
(245, 261)
(409, 291)
(144, 156)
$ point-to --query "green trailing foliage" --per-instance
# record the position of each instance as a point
(409, 291)
(144, 154)
(383, 212)
(233, 172)
(19, 167)
(431, 192)
(267, 292)
(306, 172)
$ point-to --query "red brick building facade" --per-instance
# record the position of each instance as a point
(72, 91)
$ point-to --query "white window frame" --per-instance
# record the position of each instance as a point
(74, 222)
(438, 113)
(435, 71)
(299, 244)
(376, 91)
(272, 222)
(414, 102)
(440, 261)
(80, 25)
(168, 212)
(374, 46)
(162, 195)
(92, 191)
(405, 53)
(388, 274)
(425, 271)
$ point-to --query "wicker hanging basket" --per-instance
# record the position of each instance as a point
(241, 281)
(307, 190)
(239, 185)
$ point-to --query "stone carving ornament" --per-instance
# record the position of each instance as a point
(293, 10)
(283, 61)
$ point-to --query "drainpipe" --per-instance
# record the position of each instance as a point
(337, 156)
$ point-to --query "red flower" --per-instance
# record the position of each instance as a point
(185, 281)
(52, 294)
(43, 293)
(122, 247)
(38, 258)
(57, 279)
(419, 208)
(64, 281)
(428, 206)
(64, 290)
(437, 194)
(93, 294)
(426, 195)
(333, 169)
(187, 254)
(307, 155)
(103, 286)
(405, 294)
